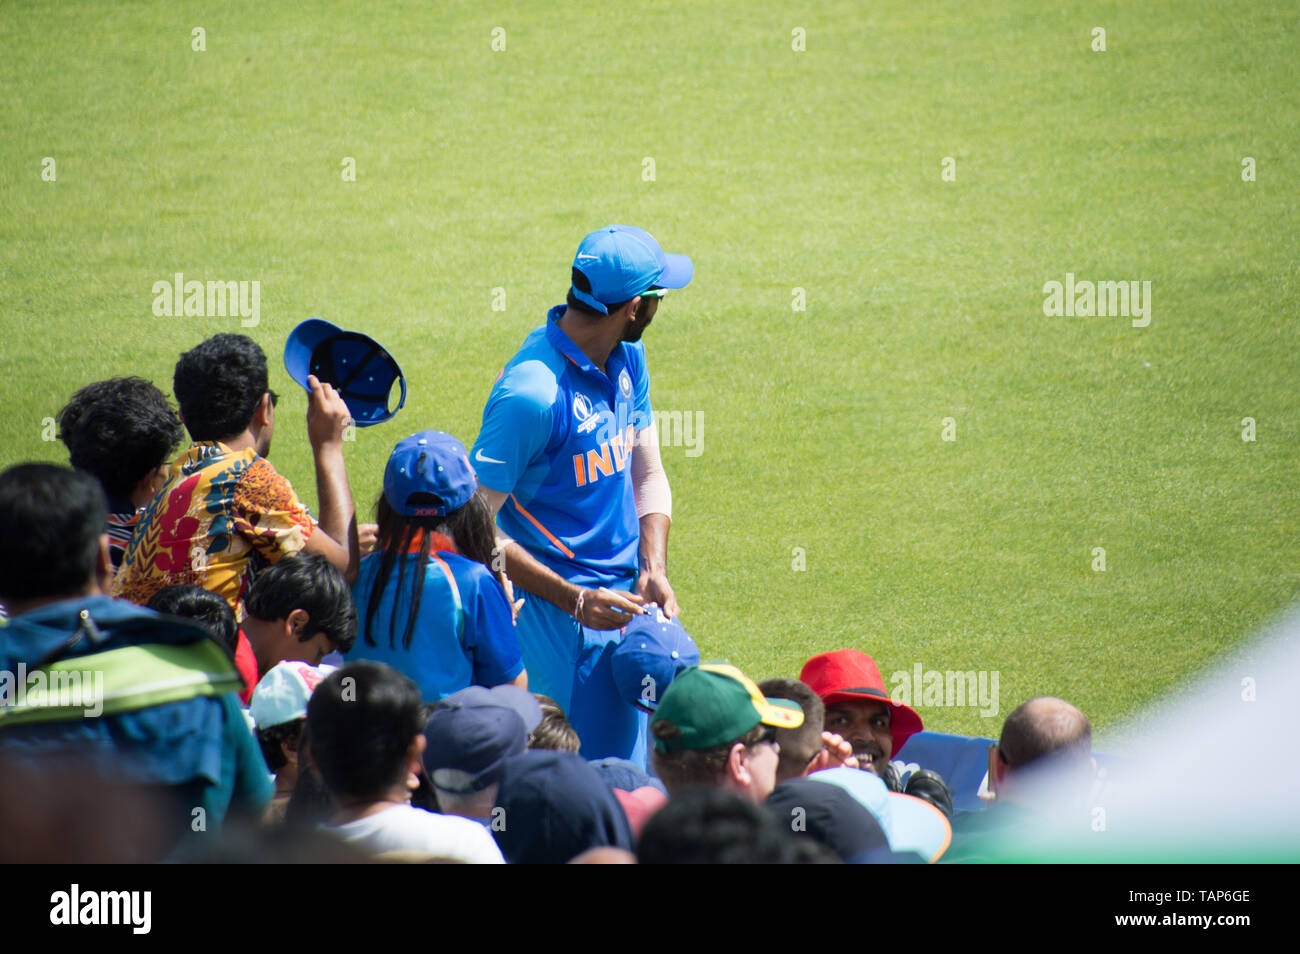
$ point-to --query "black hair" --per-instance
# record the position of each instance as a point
(309, 804)
(204, 606)
(270, 738)
(586, 310)
(710, 825)
(425, 795)
(218, 385)
(119, 430)
(362, 719)
(52, 518)
(309, 582)
(470, 527)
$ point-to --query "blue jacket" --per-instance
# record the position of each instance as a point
(196, 748)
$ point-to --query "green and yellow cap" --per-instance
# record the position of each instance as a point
(714, 703)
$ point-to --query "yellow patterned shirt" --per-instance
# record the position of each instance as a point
(221, 516)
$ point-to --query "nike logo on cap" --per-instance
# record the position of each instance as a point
(478, 456)
(583, 255)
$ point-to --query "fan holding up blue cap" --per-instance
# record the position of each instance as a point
(358, 367)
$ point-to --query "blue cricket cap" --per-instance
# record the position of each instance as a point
(355, 364)
(654, 649)
(619, 262)
(676, 270)
(429, 462)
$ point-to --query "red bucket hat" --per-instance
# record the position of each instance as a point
(850, 675)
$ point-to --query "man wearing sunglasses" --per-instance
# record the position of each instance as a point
(225, 511)
(568, 460)
(715, 727)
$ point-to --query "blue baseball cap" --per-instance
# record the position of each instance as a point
(654, 649)
(620, 262)
(429, 462)
(474, 731)
(355, 364)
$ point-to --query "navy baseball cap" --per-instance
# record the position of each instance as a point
(429, 462)
(355, 364)
(474, 731)
(620, 262)
(556, 807)
(654, 649)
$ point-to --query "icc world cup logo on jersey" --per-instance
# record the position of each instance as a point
(588, 419)
(614, 450)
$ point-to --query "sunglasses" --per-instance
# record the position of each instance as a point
(655, 293)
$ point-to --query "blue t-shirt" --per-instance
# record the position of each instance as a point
(441, 661)
(557, 437)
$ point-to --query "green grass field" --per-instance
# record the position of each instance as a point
(774, 169)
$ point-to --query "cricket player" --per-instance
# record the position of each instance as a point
(568, 460)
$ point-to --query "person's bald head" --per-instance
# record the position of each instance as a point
(1045, 726)
(1044, 756)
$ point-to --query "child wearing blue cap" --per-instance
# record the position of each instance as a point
(429, 604)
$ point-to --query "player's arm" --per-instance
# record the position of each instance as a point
(327, 418)
(654, 508)
(598, 608)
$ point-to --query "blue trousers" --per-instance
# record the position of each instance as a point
(571, 664)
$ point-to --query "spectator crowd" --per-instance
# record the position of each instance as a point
(200, 668)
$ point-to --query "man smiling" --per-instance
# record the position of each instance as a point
(859, 709)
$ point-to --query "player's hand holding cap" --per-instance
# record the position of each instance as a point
(654, 649)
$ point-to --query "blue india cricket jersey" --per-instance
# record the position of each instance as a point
(557, 438)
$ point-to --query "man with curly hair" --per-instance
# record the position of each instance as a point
(225, 512)
(122, 432)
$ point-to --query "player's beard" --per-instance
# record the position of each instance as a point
(633, 330)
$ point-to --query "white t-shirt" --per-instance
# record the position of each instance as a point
(408, 829)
